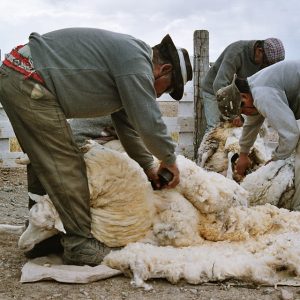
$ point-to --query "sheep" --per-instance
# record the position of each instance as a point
(110, 191)
(200, 231)
(221, 143)
(272, 183)
(134, 224)
(212, 200)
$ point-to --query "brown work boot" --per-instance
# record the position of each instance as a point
(83, 251)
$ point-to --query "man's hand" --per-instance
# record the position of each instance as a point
(153, 177)
(174, 170)
(242, 164)
(238, 121)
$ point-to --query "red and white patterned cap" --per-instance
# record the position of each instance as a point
(274, 50)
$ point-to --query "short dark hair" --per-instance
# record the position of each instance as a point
(259, 44)
(242, 85)
(159, 57)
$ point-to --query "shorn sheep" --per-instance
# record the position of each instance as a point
(272, 183)
(201, 231)
(221, 143)
(111, 190)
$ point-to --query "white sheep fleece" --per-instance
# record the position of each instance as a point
(121, 197)
(209, 192)
(255, 260)
(272, 183)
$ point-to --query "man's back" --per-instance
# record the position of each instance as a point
(80, 66)
(237, 58)
(283, 79)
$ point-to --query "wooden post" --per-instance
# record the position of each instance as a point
(201, 66)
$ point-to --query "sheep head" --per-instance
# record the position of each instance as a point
(44, 222)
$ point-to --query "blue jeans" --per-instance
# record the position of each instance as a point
(211, 110)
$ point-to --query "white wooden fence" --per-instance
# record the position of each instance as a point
(180, 127)
(9, 149)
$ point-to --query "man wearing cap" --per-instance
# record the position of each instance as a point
(80, 73)
(273, 94)
(243, 58)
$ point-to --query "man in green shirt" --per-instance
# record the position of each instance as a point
(243, 58)
(84, 73)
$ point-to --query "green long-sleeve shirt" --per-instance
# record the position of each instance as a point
(237, 58)
(96, 72)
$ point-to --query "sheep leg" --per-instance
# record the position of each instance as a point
(232, 157)
(229, 172)
(15, 229)
(202, 160)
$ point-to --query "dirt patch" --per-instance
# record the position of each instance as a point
(13, 204)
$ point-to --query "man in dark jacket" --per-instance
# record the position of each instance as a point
(83, 73)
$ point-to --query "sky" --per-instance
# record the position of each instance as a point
(226, 21)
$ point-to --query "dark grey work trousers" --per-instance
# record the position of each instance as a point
(57, 166)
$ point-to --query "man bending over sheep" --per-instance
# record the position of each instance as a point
(81, 73)
(274, 94)
(243, 58)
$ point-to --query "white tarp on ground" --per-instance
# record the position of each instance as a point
(52, 268)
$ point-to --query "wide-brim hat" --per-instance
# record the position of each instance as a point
(229, 100)
(182, 68)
